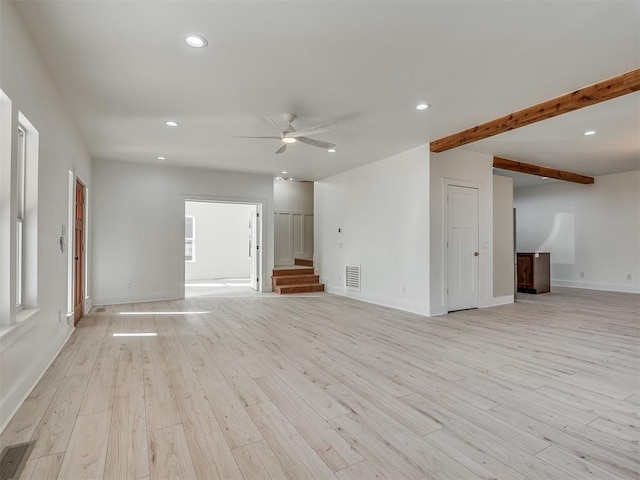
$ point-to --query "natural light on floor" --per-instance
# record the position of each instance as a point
(141, 334)
(160, 313)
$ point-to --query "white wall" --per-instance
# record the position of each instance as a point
(27, 349)
(463, 168)
(138, 225)
(221, 240)
(503, 254)
(587, 228)
(292, 196)
(383, 212)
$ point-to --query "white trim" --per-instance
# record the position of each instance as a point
(88, 304)
(446, 182)
(294, 212)
(437, 310)
(68, 238)
(192, 238)
(260, 203)
(138, 298)
(7, 223)
(21, 390)
(25, 321)
(495, 301)
(411, 307)
(30, 231)
(608, 287)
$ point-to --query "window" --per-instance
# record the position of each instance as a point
(20, 200)
(189, 239)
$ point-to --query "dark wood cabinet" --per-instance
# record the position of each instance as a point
(534, 272)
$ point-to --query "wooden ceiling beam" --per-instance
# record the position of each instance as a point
(540, 171)
(583, 97)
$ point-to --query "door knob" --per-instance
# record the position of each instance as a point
(475, 254)
(77, 258)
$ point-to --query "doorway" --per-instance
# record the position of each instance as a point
(462, 248)
(222, 248)
(78, 252)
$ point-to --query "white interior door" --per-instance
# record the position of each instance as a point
(254, 249)
(462, 248)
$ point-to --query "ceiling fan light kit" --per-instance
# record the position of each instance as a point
(289, 135)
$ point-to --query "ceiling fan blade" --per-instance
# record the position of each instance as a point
(270, 121)
(316, 143)
(282, 148)
(316, 130)
(245, 136)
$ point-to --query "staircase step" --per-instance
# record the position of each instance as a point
(307, 262)
(281, 272)
(300, 288)
(296, 279)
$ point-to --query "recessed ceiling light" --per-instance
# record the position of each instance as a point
(171, 123)
(289, 140)
(332, 150)
(196, 41)
(589, 133)
(422, 106)
(278, 178)
(284, 173)
(161, 158)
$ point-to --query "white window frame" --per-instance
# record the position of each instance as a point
(21, 168)
(192, 239)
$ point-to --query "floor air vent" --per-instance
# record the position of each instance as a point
(352, 277)
(13, 459)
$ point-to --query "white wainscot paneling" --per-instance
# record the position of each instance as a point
(294, 236)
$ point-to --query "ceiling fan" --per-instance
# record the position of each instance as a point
(289, 135)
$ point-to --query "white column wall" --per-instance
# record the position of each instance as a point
(467, 169)
(382, 210)
(503, 254)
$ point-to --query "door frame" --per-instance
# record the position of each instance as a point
(83, 255)
(260, 205)
(446, 183)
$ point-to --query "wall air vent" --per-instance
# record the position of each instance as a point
(352, 277)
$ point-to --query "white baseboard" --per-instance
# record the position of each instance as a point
(412, 307)
(608, 287)
(88, 304)
(436, 310)
(495, 301)
(137, 298)
(20, 392)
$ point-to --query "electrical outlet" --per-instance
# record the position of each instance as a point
(59, 316)
(581, 274)
(628, 276)
(404, 290)
(129, 284)
(339, 278)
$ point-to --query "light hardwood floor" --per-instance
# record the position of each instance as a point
(323, 387)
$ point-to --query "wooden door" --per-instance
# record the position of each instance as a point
(78, 245)
(254, 249)
(462, 248)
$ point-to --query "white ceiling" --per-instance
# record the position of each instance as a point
(124, 70)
